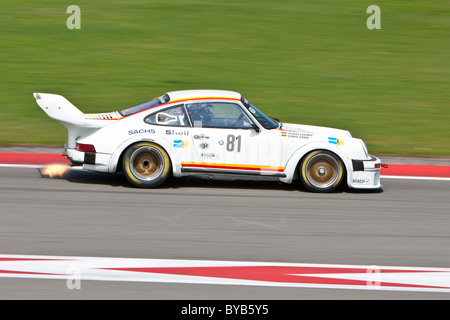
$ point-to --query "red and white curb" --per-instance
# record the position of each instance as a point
(227, 273)
(390, 171)
(415, 172)
(30, 160)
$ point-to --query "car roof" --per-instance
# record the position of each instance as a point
(199, 94)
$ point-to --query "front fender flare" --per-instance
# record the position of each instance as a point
(291, 166)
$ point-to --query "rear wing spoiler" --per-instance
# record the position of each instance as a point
(60, 109)
(78, 124)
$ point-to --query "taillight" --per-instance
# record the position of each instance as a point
(85, 147)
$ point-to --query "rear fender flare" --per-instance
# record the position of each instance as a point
(116, 157)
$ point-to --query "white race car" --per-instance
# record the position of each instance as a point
(212, 133)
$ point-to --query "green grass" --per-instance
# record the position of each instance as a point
(312, 62)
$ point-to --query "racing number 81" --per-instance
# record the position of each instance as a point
(232, 141)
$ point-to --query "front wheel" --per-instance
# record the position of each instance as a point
(146, 164)
(321, 171)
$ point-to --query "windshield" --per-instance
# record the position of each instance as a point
(264, 120)
(144, 105)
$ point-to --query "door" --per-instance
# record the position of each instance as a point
(174, 127)
(227, 140)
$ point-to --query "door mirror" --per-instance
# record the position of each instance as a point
(255, 127)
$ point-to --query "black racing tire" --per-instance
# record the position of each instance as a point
(146, 164)
(321, 171)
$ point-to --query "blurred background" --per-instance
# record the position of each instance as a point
(312, 62)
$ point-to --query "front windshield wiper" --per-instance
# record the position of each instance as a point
(276, 120)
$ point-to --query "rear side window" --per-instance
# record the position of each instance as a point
(144, 106)
(174, 117)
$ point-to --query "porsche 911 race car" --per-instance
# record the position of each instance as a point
(212, 133)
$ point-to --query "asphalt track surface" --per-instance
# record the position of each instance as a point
(97, 215)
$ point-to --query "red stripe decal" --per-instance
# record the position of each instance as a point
(232, 167)
(243, 168)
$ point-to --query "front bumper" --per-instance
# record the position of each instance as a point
(365, 174)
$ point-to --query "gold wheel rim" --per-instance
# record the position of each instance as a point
(146, 163)
(322, 171)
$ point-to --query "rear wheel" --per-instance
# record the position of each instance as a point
(321, 171)
(146, 164)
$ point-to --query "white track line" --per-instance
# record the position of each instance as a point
(30, 166)
(24, 166)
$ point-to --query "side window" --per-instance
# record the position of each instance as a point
(174, 117)
(218, 115)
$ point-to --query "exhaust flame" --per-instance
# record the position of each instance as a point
(54, 170)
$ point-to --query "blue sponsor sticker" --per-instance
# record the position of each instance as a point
(180, 143)
(337, 141)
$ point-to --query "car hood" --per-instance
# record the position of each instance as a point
(337, 133)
